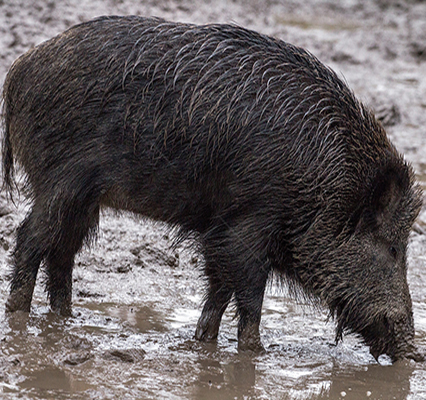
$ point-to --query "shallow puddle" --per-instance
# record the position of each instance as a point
(142, 346)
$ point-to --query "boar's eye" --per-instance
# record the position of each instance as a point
(393, 251)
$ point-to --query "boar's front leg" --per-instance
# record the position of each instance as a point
(251, 282)
(235, 265)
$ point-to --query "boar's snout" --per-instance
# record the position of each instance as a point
(393, 336)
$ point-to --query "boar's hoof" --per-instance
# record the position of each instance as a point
(252, 345)
(249, 339)
(207, 326)
(18, 300)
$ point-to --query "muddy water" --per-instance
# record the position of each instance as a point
(136, 304)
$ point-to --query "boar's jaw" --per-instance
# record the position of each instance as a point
(405, 351)
(394, 339)
(392, 335)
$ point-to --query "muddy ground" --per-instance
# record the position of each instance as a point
(137, 300)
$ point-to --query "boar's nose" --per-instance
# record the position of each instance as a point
(395, 336)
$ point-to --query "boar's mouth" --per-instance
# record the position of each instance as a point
(377, 336)
(395, 350)
(391, 336)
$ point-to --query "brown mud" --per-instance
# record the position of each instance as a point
(137, 300)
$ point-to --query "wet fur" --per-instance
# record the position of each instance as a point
(246, 140)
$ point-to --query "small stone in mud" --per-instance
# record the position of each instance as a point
(128, 356)
(418, 51)
(4, 244)
(124, 269)
(135, 251)
(340, 56)
(154, 256)
(140, 263)
(172, 262)
(85, 294)
(76, 359)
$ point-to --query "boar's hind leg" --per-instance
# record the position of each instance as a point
(74, 221)
(217, 299)
(27, 257)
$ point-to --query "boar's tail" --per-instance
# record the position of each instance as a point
(7, 151)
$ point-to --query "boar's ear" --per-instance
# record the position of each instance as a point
(387, 191)
(380, 201)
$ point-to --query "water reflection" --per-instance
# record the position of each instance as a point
(33, 349)
(143, 318)
(233, 379)
(240, 376)
(373, 381)
(123, 351)
(52, 378)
